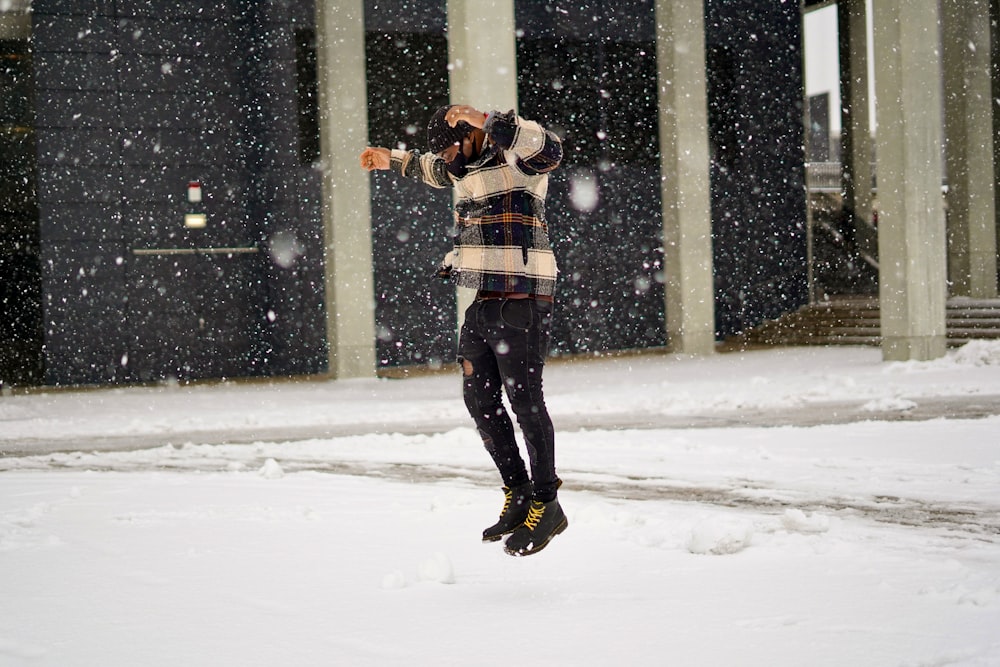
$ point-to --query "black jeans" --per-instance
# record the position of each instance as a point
(504, 343)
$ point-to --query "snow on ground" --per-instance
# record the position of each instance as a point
(875, 542)
(658, 385)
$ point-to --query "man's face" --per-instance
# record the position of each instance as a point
(449, 154)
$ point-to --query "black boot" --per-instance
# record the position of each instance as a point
(513, 514)
(545, 521)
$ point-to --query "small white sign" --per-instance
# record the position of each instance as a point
(195, 220)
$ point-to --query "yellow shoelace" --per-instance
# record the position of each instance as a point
(508, 495)
(535, 512)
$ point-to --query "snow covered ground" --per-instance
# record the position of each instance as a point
(699, 534)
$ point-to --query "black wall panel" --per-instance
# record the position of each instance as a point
(79, 200)
(415, 310)
(72, 184)
(79, 146)
(284, 191)
(412, 224)
(102, 8)
(182, 9)
(77, 71)
(84, 309)
(590, 76)
(213, 298)
(61, 31)
(754, 57)
(137, 99)
(79, 221)
(70, 109)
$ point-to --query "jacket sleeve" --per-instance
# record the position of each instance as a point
(425, 167)
(538, 150)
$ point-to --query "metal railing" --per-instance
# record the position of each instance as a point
(823, 177)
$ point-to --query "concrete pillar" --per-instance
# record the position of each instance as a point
(482, 53)
(343, 107)
(968, 113)
(911, 213)
(856, 137)
(995, 68)
(684, 185)
(482, 66)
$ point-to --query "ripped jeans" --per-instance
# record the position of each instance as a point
(503, 344)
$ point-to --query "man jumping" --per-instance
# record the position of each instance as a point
(498, 164)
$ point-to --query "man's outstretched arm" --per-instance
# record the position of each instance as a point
(425, 167)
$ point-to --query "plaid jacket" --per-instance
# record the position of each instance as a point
(502, 241)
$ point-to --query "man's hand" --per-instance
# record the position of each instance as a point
(470, 115)
(375, 158)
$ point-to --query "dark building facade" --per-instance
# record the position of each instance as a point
(165, 218)
(147, 113)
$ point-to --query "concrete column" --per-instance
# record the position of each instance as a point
(343, 105)
(482, 66)
(856, 137)
(684, 185)
(995, 68)
(911, 212)
(482, 54)
(968, 113)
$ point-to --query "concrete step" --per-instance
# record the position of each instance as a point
(856, 321)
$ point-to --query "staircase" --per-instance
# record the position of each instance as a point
(854, 320)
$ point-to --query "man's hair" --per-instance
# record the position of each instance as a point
(441, 135)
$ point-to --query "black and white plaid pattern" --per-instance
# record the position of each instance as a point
(502, 242)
